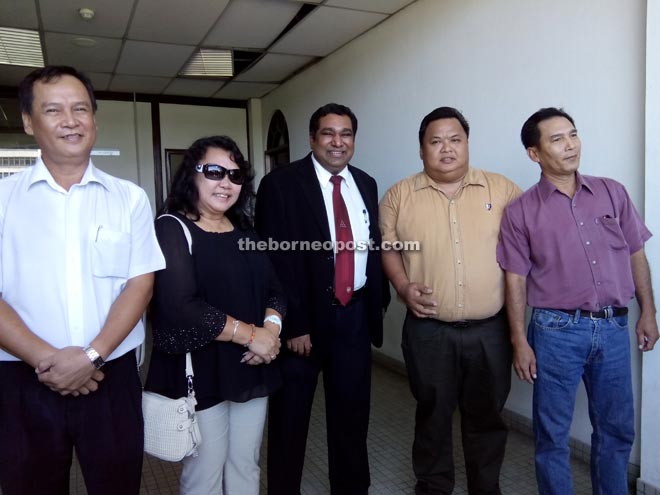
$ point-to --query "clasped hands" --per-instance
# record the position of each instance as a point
(69, 371)
(266, 345)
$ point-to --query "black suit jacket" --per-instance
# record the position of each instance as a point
(290, 207)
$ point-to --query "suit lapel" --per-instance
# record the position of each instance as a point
(367, 197)
(312, 192)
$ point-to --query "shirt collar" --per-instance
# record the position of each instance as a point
(40, 173)
(546, 188)
(324, 176)
(473, 177)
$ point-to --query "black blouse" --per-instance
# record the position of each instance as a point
(192, 296)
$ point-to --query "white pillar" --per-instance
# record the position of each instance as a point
(256, 137)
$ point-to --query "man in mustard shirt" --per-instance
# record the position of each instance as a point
(455, 336)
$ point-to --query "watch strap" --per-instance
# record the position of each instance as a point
(94, 357)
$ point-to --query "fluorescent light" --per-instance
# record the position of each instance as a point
(209, 63)
(20, 47)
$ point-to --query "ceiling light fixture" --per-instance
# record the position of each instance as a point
(86, 13)
(83, 42)
(20, 47)
(209, 63)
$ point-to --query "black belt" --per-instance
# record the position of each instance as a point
(471, 323)
(608, 312)
(356, 296)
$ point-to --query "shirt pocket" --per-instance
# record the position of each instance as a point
(111, 253)
(612, 233)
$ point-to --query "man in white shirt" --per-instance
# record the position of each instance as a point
(77, 256)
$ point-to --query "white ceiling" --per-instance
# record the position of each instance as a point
(141, 45)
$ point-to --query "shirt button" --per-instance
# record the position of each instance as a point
(451, 202)
(458, 261)
(460, 284)
(588, 243)
(456, 241)
(593, 262)
(597, 283)
(460, 305)
(581, 223)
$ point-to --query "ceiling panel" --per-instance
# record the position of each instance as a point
(193, 87)
(110, 18)
(383, 6)
(18, 14)
(243, 90)
(139, 84)
(252, 23)
(141, 45)
(326, 29)
(175, 21)
(102, 57)
(155, 59)
(273, 67)
(99, 81)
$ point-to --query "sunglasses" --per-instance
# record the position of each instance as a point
(217, 172)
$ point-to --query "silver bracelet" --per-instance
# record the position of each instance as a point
(236, 323)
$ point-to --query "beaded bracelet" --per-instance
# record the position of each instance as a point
(252, 336)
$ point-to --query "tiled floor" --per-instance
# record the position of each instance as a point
(390, 439)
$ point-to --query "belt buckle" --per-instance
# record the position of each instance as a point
(461, 324)
(609, 312)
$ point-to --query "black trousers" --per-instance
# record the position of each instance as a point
(470, 368)
(345, 360)
(40, 428)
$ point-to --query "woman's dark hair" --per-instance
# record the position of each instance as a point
(184, 196)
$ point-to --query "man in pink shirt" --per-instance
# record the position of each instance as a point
(572, 247)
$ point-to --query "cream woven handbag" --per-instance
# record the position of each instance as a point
(171, 431)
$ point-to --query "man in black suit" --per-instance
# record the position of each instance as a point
(335, 302)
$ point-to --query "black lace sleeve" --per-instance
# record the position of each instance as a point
(182, 321)
(276, 298)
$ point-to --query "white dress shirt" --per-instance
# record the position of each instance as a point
(65, 256)
(357, 213)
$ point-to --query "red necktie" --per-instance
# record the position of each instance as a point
(344, 262)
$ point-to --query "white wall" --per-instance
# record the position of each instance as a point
(651, 370)
(126, 126)
(497, 62)
(183, 124)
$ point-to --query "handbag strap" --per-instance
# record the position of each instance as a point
(189, 375)
(189, 367)
(186, 231)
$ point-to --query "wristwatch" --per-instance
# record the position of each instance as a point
(94, 357)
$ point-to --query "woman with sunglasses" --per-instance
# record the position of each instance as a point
(222, 304)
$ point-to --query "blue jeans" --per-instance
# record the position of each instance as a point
(570, 348)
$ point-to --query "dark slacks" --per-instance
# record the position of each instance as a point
(466, 367)
(40, 428)
(345, 360)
